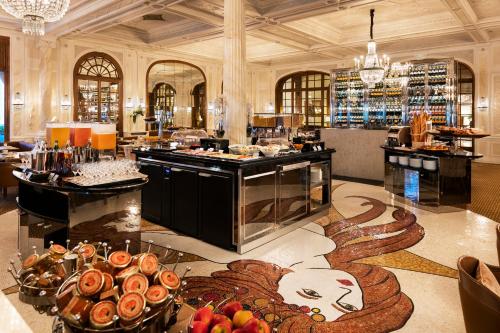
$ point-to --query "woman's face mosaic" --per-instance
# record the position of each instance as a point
(328, 292)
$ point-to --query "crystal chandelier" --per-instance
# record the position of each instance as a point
(373, 70)
(35, 13)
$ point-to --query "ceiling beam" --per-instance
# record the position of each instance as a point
(196, 14)
(103, 14)
(464, 13)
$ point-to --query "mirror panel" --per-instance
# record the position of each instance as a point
(176, 95)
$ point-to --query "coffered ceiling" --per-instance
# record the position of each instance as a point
(281, 30)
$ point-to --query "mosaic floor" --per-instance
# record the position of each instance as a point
(372, 265)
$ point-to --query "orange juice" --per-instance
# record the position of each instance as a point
(104, 141)
(80, 136)
(61, 134)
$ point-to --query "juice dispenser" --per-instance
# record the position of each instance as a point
(57, 131)
(104, 137)
(80, 134)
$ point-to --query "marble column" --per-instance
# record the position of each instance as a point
(234, 70)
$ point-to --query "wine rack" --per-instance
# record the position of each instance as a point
(391, 102)
(340, 99)
(430, 90)
(356, 97)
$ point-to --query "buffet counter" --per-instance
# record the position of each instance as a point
(235, 203)
(57, 211)
(429, 178)
(357, 152)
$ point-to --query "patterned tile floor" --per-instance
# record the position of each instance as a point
(372, 265)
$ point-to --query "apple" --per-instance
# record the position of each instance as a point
(198, 327)
(204, 314)
(231, 308)
(241, 317)
(255, 325)
(221, 328)
(221, 319)
(264, 327)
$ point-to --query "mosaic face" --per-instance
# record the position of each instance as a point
(328, 293)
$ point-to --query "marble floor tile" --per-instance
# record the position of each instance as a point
(373, 265)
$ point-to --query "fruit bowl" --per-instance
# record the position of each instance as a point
(118, 292)
(232, 317)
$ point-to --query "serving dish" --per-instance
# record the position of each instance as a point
(118, 292)
(415, 162)
(430, 165)
(403, 160)
(270, 150)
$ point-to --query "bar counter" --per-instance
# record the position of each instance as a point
(57, 211)
(448, 183)
(235, 204)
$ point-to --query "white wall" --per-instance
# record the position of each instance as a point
(42, 71)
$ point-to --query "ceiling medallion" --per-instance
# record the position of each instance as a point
(373, 69)
(35, 13)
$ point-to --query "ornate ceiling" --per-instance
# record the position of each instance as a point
(282, 30)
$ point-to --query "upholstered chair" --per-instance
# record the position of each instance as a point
(480, 306)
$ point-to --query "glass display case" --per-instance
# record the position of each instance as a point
(426, 86)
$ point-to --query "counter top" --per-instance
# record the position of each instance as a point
(61, 186)
(409, 151)
(172, 156)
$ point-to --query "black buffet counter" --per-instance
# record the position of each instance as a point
(235, 204)
(429, 178)
(57, 211)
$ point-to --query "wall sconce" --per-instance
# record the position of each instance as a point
(18, 99)
(66, 101)
(482, 105)
(270, 107)
(130, 103)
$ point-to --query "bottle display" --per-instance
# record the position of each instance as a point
(407, 90)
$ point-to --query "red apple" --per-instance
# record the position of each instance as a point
(221, 328)
(221, 319)
(241, 318)
(264, 327)
(256, 326)
(231, 308)
(198, 327)
(204, 314)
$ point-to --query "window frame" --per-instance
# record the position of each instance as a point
(99, 79)
(5, 68)
(298, 106)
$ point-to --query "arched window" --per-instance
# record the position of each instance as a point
(199, 100)
(465, 100)
(98, 88)
(163, 99)
(305, 96)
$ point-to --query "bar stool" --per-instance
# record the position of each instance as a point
(480, 306)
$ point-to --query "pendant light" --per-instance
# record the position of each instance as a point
(373, 69)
